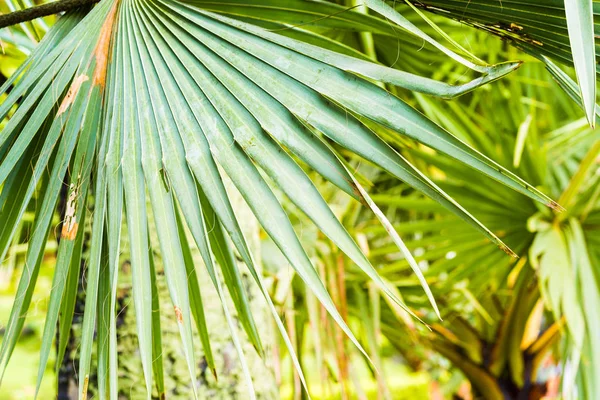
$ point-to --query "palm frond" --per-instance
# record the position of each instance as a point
(158, 100)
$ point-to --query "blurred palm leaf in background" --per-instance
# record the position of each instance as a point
(160, 99)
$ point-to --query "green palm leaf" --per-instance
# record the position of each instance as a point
(563, 31)
(155, 100)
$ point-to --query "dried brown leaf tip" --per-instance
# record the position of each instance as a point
(70, 224)
(72, 93)
(555, 206)
(101, 51)
(179, 314)
(508, 250)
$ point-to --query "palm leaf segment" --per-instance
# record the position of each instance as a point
(560, 30)
(159, 98)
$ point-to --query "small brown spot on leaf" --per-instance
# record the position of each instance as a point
(179, 315)
(515, 26)
(73, 90)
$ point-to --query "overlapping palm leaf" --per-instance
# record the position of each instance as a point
(562, 30)
(158, 99)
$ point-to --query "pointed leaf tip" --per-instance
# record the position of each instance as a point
(508, 250)
(555, 206)
(580, 25)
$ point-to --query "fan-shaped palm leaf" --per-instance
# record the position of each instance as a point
(160, 98)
